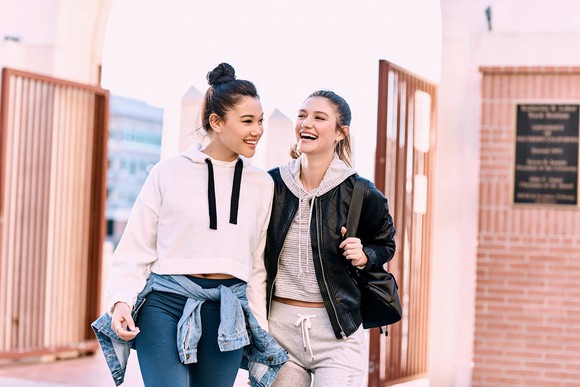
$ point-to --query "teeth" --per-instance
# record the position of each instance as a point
(308, 137)
(251, 142)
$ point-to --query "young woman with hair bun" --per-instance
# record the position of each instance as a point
(187, 285)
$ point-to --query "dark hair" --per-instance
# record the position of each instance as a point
(343, 117)
(224, 93)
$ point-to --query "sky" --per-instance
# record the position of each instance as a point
(156, 50)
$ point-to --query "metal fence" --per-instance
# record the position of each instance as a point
(53, 159)
(404, 172)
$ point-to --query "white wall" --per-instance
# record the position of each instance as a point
(523, 33)
(288, 49)
(60, 38)
(33, 23)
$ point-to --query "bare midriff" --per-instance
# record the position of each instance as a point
(213, 276)
(302, 304)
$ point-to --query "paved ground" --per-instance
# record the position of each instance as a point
(90, 371)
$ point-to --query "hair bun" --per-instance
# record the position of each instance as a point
(223, 73)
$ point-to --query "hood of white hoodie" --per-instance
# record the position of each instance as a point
(195, 154)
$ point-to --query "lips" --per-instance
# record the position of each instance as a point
(308, 136)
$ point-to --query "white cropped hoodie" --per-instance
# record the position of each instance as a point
(177, 226)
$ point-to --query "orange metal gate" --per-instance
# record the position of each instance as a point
(53, 159)
(404, 172)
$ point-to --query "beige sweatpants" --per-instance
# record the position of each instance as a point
(316, 355)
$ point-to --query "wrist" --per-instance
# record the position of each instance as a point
(119, 303)
(364, 262)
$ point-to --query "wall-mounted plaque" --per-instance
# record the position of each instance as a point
(546, 154)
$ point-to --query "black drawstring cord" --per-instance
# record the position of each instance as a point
(235, 201)
(211, 196)
(236, 192)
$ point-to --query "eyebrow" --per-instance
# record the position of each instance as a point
(251, 116)
(315, 112)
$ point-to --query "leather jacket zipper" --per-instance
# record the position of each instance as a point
(324, 276)
(272, 290)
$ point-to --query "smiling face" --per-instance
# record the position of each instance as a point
(316, 127)
(238, 132)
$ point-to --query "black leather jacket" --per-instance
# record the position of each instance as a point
(341, 296)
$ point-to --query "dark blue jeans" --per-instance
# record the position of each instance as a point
(156, 344)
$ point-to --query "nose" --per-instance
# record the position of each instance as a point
(257, 130)
(306, 122)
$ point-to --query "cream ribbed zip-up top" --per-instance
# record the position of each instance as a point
(296, 278)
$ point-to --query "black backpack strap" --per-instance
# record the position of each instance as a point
(355, 208)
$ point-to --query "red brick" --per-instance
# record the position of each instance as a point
(528, 266)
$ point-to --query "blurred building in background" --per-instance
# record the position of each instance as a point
(134, 147)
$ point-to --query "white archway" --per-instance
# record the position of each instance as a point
(60, 38)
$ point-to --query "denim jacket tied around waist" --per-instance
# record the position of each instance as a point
(263, 357)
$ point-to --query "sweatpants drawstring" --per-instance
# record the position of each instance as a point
(305, 324)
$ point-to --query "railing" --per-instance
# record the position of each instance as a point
(53, 159)
(404, 172)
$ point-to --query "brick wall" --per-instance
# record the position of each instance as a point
(527, 325)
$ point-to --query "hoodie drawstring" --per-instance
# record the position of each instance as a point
(235, 200)
(299, 237)
(211, 196)
(312, 201)
(312, 204)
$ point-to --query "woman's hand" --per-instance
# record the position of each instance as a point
(353, 250)
(122, 322)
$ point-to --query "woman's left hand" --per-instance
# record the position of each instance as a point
(353, 250)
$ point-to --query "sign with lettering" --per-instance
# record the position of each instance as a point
(546, 154)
